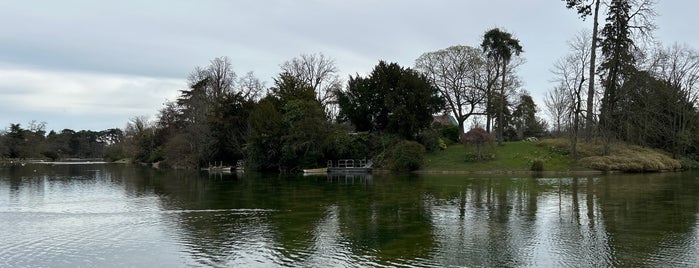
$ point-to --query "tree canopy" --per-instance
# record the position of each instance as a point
(391, 99)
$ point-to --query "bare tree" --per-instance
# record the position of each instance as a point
(320, 73)
(589, 8)
(556, 103)
(250, 87)
(456, 71)
(570, 74)
(678, 65)
(222, 77)
(217, 80)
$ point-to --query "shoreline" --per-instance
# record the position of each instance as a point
(515, 172)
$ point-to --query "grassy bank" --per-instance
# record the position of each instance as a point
(622, 157)
(554, 155)
(512, 157)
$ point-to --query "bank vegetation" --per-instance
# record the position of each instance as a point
(621, 101)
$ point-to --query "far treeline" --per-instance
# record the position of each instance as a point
(617, 84)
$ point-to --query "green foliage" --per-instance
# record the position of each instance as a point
(228, 126)
(430, 140)
(264, 142)
(348, 145)
(442, 144)
(654, 113)
(689, 163)
(500, 45)
(33, 142)
(156, 155)
(288, 87)
(114, 152)
(487, 154)
(381, 147)
(288, 129)
(51, 155)
(407, 156)
(392, 99)
(617, 64)
(537, 165)
(525, 120)
(513, 156)
(451, 134)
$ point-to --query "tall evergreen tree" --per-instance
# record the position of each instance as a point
(500, 46)
(617, 64)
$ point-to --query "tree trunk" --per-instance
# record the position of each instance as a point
(488, 118)
(478, 150)
(591, 87)
(501, 116)
(576, 119)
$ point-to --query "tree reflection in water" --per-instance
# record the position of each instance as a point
(393, 220)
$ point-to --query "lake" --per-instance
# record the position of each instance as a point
(111, 215)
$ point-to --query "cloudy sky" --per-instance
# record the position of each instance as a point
(95, 64)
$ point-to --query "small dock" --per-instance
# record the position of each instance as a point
(349, 166)
(217, 168)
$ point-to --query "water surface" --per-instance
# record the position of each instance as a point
(107, 215)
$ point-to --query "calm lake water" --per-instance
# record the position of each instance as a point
(108, 215)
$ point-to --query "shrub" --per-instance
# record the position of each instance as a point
(451, 133)
(51, 155)
(407, 156)
(629, 158)
(347, 145)
(478, 137)
(430, 139)
(442, 144)
(689, 163)
(537, 165)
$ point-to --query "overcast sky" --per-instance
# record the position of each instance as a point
(95, 64)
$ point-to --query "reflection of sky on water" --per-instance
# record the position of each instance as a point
(85, 220)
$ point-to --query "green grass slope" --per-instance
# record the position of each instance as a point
(511, 157)
(554, 154)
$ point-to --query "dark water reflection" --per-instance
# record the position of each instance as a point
(116, 216)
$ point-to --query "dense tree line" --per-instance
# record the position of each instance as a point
(34, 142)
(308, 117)
(612, 86)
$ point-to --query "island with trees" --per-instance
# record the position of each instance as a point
(621, 102)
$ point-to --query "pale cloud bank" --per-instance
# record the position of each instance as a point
(81, 100)
(85, 64)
